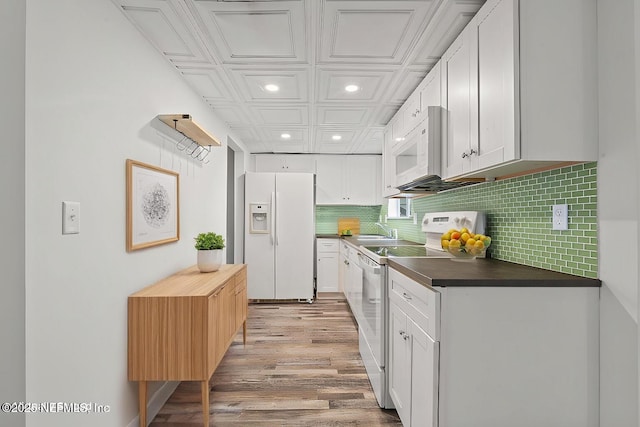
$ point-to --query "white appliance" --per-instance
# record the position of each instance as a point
(368, 298)
(419, 154)
(279, 235)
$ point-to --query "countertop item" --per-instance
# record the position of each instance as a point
(352, 224)
(484, 272)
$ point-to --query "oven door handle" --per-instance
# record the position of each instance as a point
(366, 267)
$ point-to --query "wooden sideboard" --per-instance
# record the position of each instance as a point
(180, 328)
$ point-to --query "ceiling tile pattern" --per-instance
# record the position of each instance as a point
(230, 52)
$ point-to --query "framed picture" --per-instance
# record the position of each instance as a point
(153, 208)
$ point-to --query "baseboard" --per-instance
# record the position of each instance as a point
(158, 399)
(331, 295)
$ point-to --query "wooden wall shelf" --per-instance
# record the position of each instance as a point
(184, 124)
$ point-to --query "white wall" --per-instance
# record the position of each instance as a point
(93, 84)
(637, 121)
(12, 181)
(618, 187)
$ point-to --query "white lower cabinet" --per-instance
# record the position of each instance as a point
(327, 267)
(498, 356)
(413, 354)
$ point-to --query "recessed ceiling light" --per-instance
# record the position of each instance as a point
(271, 87)
(285, 136)
(399, 139)
(336, 137)
(351, 88)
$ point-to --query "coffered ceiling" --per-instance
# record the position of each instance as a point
(231, 52)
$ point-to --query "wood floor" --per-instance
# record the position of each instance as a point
(300, 367)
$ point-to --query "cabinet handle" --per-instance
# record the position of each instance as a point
(469, 154)
(404, 335)
(406, 296)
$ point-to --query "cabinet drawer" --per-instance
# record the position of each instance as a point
(328, 245)
(420, 303)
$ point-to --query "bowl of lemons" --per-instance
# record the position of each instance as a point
(464, 245)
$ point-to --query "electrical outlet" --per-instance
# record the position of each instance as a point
(70, 217)
(560, 217)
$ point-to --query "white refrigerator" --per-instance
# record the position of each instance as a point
(279, 235)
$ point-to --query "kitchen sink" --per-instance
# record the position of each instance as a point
(372, 237)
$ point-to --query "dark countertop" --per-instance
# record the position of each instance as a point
(483, 272)
(327, 236)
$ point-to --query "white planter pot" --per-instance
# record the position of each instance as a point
(210, 260)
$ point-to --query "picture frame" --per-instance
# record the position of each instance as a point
(153, 205)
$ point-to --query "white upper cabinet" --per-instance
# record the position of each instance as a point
(458, 96)
(348, 180)
(388, 167)
(520, 89)
(285, 163)
(494, 33)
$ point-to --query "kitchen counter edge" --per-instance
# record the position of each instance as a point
(443, 272)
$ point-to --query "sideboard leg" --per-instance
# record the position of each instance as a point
(205, 402)
(244, 332)
(142, 402)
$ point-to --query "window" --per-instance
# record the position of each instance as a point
(399, 208)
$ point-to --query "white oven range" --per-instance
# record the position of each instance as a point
(368, 297)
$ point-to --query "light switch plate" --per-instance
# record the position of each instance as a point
(70, 217)
(560, 217)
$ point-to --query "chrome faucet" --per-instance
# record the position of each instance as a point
(388, 231)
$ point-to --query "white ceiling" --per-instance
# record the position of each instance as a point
(228, 50)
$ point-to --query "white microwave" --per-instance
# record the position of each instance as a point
(419, 154)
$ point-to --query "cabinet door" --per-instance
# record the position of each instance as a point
(362, 183)
(430, 90)
(270, 163)
(388, 167)
(214, 348)
(240, 303)
(412, 111)
(424, 353)
(494, 33)
(299, 163)
(329, 181)
(342, 273)
(285, 163)
(229, 298)
(327, 272)
(458, 93)
(399, 363)
(397, 127)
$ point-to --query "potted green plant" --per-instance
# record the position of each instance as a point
(209, 246)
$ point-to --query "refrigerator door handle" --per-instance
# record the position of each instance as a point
(272, 228)
(276, 219)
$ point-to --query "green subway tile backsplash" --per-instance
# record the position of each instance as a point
(519, 218)
(327, 218)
